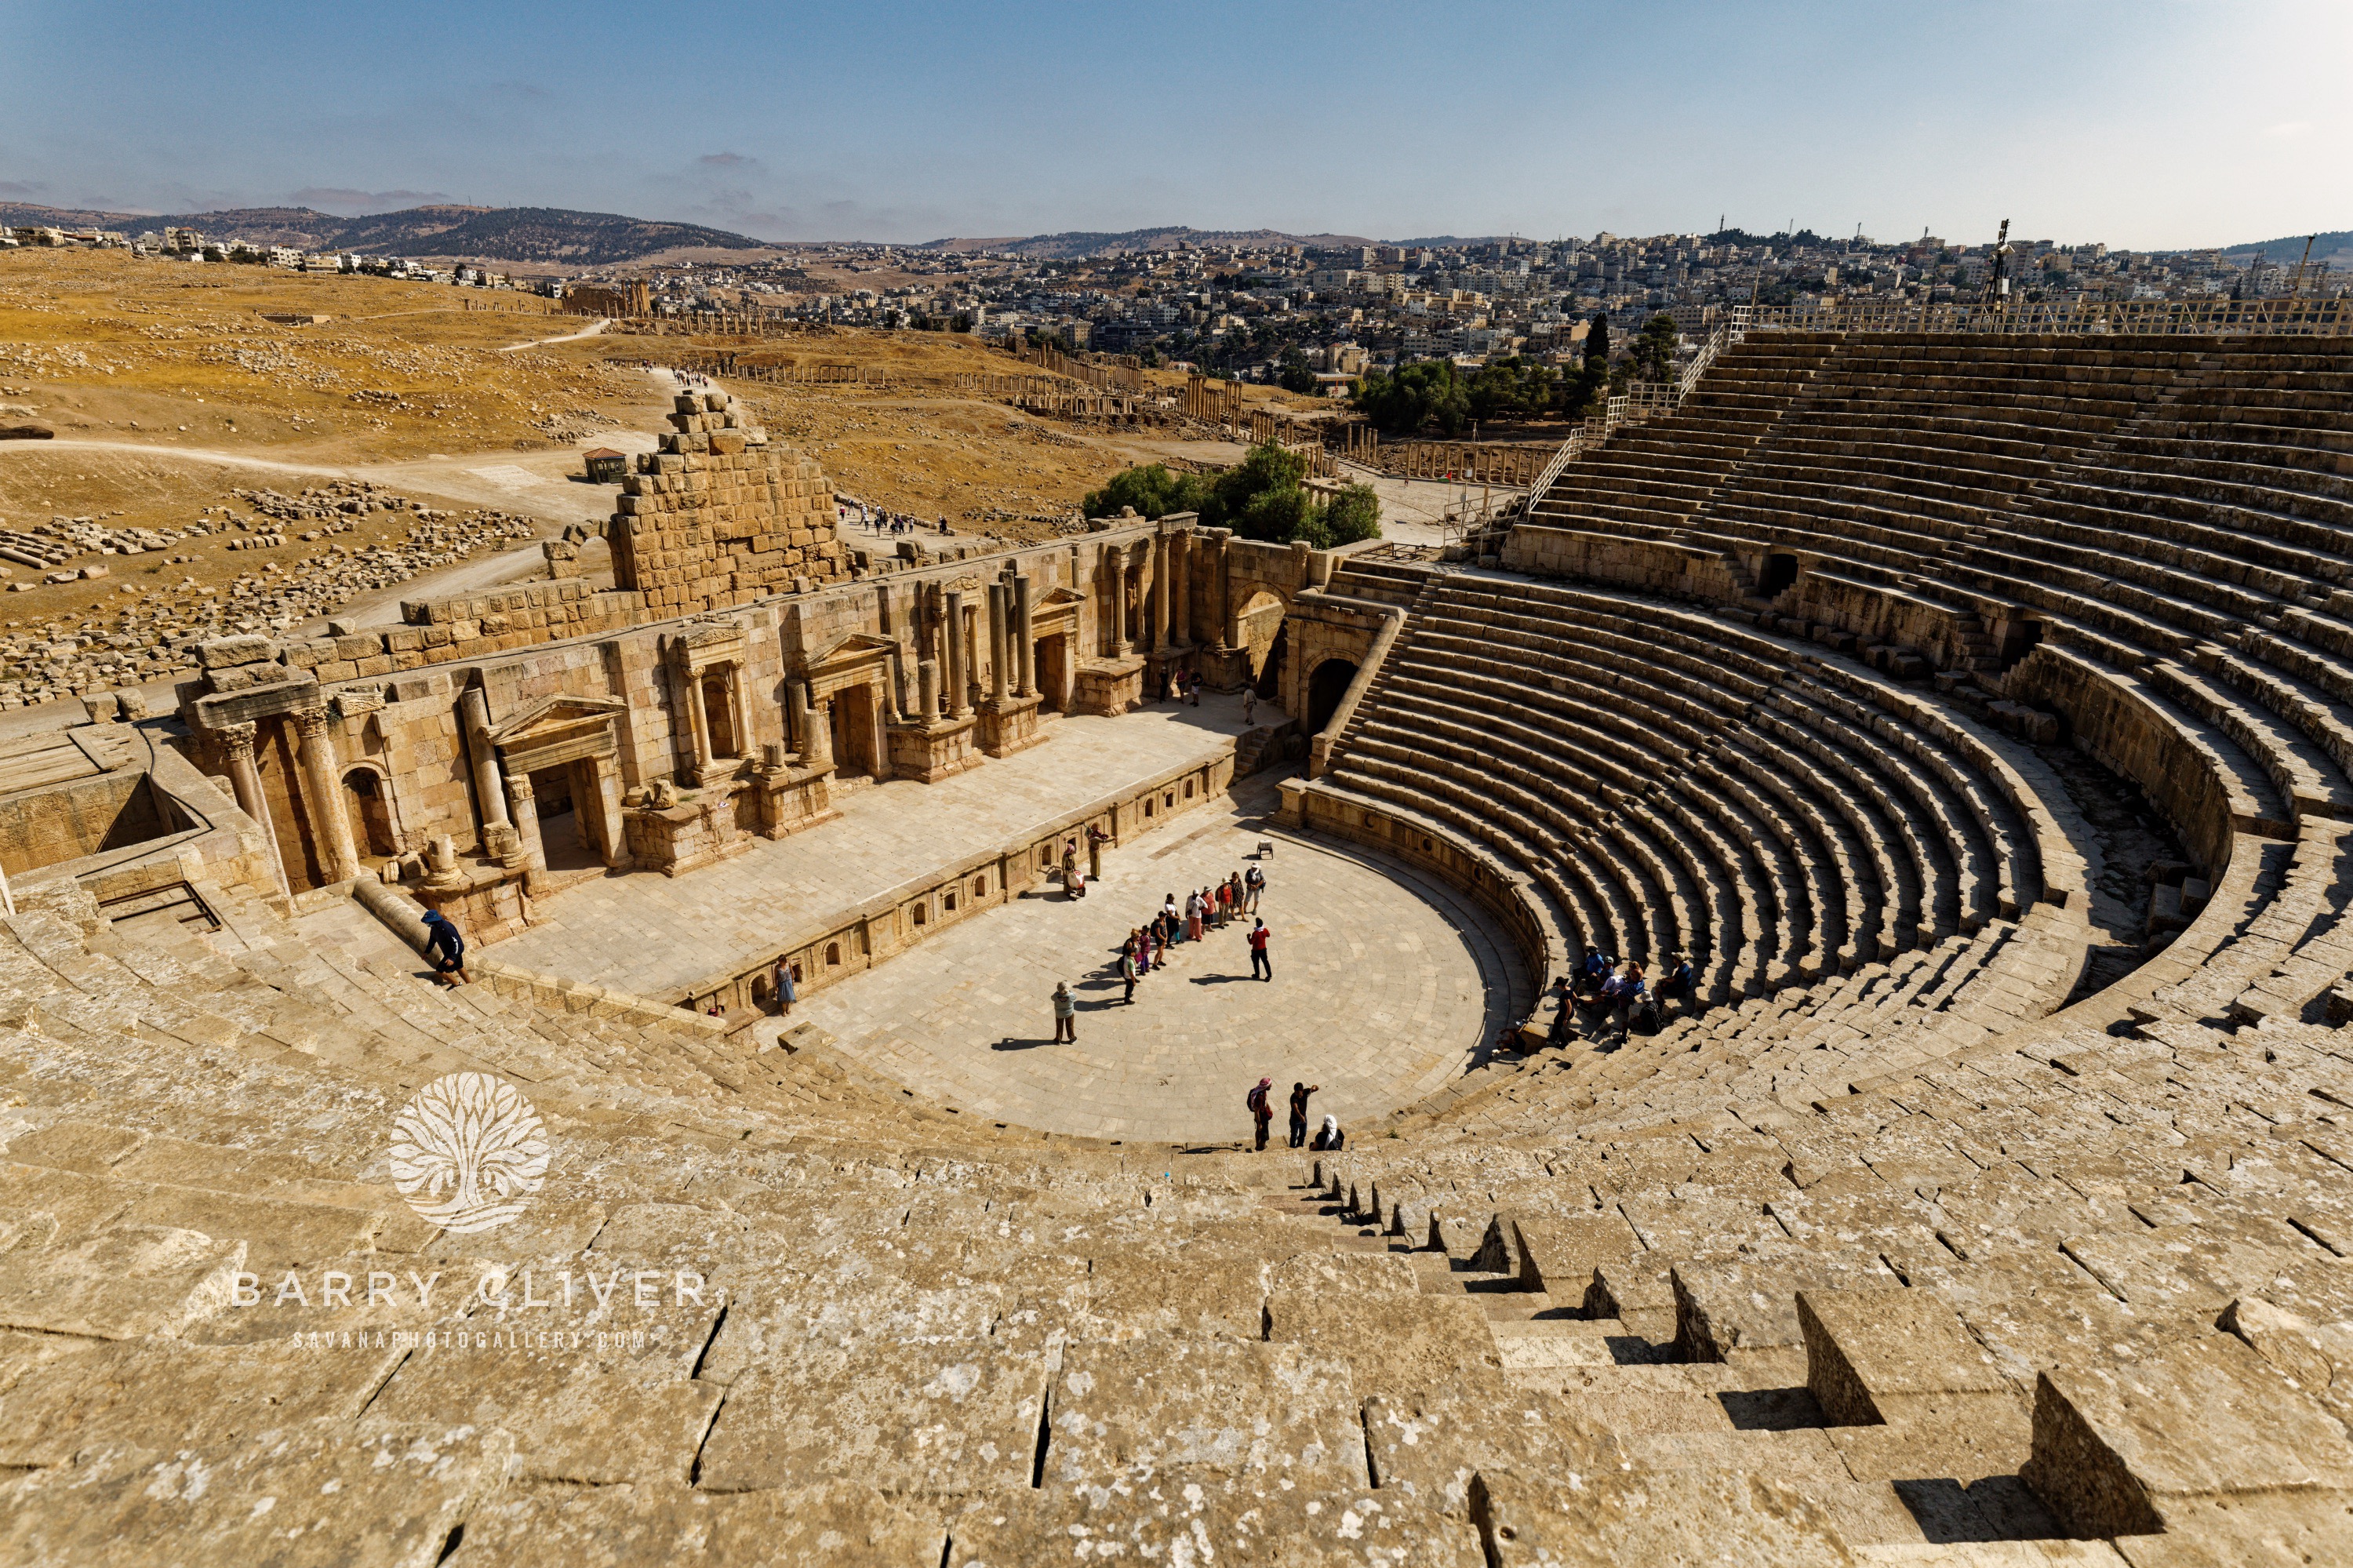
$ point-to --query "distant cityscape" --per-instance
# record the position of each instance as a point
(1250, 310)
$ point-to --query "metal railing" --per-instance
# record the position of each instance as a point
(2293, 317)
(1641, 401)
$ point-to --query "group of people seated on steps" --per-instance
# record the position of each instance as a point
(1604, 998)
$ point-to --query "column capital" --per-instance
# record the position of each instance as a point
(237, 739)
(519, 787)
(311, 722)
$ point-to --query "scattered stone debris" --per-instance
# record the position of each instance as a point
(154, 632)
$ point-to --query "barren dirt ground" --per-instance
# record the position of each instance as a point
(169, 388)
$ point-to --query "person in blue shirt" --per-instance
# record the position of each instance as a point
(445, 948)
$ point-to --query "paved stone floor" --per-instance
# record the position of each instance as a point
(656, 936)
(1384, 986)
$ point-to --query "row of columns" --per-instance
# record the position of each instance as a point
(318, 787)
(1164, 611)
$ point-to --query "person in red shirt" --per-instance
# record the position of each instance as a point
(1261, 966)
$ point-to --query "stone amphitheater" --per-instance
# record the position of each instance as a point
(1977, 712)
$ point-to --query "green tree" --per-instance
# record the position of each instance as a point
(1152, 489)
(1429, 394)
(1653, 353)
(1353, 514)
(1264, 497)
(1295, 377)
(1582, 398)
(1511, 389)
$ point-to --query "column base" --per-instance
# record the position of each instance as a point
(1108, 687)
(1223, 669)
(1009, 724)
(928, 753)
(696, 832)
(717, 771)
(791, 799)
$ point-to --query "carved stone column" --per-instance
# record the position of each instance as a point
(1228, 629)
(927, 689)
(1114, 570)
(952, 614)
(1139, 627)
(739, 699)
(698, 722)
(608, 806)
(1180, 584)
(520, 800)
(488, 789)
(797, 719)
(1159, 591)
(997, 684)
(237, 740)
(817, 728)
(322, 795)
(1025, 647)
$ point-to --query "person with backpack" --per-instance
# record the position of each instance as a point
(1261, 1110)
(1261, 966)
(1299, 1093)
(445, 948)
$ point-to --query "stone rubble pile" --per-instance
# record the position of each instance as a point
(156, 631)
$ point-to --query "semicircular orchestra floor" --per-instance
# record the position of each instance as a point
(1385, 984)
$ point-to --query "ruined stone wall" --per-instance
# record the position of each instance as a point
(718, 518)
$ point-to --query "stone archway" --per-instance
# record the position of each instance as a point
(367, 802)
(1325, 688)
(1268, 684)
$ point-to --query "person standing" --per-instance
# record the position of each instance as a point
(1261, 1109)
(1127, 977)
(1254, 884)
(1299, 1093)
(1261, 966)
(1066, 1014)
(1249, 707)
(788, 990)
(1192, 917)
(445, 948)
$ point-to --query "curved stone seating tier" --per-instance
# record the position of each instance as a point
(1660, 779)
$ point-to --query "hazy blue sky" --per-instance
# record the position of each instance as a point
(2156, 122)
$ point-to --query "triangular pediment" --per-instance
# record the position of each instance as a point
(556, 714)
(1055, 597)
(856, 649)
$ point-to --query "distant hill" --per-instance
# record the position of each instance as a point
(544, 234)
(1075, 246)
(2333, 249)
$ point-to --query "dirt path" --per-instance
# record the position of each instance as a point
(600, 324)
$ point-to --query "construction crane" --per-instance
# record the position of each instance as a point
(1998, 281)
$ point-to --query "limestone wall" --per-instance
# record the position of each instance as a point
(718, 518)
(846, 942)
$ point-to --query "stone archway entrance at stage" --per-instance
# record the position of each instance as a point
(849, 697)
(568, 749)
(1054, 640)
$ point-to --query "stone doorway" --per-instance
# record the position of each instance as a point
(718, 695)
(369, 807)
(857, 732)
(1325, 687)
(1053, 667)
(563, 834)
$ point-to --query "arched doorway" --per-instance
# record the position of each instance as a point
(1325, 687)
(369, 809)
(1269, 685)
